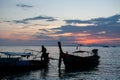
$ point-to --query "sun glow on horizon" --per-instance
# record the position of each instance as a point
(86, 41)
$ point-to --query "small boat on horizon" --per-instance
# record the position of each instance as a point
(12, 61)
(74, 62)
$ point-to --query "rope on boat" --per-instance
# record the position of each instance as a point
(31, 50)
(53, 58)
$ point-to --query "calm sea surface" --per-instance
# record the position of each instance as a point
(108, 69)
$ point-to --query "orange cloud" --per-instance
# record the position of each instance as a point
(12, 36)
(87, 41)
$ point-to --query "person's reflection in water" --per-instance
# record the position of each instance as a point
(44, 73)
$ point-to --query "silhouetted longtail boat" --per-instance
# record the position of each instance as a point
(73, 62)
(12, 61)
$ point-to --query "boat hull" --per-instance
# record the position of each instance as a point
(15, 64)
(73, 62)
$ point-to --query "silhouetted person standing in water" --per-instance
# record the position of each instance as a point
(44, 55)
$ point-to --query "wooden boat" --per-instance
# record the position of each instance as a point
(12, 61)
(73, 62)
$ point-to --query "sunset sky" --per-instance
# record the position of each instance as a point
(36, 22)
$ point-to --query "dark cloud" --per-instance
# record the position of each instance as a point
(24, 5)
(25, 21)
(6, 42)
(115, 29)
(20, 21)
(104, 27)
(44, 30)
(98, 21)
(106, 21)
(7, 21)
(67, 29)
(43, 37)
(40, 18)
(109, 24)
(35, 42)
(76, 21)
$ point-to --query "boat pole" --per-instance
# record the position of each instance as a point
(60, 55)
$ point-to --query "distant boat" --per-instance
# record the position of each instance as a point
(73, 62)
(11, 61)
(106, 46)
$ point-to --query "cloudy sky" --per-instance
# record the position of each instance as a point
(36, 22)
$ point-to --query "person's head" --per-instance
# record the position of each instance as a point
(42, 46)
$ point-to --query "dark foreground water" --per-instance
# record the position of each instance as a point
(108, 69)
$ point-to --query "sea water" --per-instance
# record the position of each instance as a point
(108, 69)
